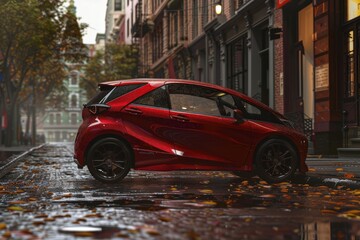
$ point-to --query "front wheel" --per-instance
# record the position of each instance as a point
(276, 161)
(109, 160)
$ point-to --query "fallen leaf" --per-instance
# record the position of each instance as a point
(7, 234)
(349, 175)
(328, 211)
(17, 202)
(268, 196)
(2, 226)
(206, 191)
(16, 208)
(339, 169)
(209, 202)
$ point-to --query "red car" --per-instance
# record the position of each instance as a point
(168, 124)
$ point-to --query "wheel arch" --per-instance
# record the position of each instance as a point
(281, 137)
(116, 136)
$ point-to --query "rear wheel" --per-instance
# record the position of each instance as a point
(109, 160)
(276, 161)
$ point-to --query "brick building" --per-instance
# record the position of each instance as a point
(309, 71)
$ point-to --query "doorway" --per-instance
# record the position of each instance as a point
(306, 60)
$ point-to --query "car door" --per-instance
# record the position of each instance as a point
(147, 121)
(205, 134)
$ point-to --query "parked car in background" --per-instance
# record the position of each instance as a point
(168, 124)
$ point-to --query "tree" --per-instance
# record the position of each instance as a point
(118, 62)
(31, 34)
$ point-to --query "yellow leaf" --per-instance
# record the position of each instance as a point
(209, 202)
(339, 169)
(206, 191)
(2, 226)
(16, 208)
(7, 234)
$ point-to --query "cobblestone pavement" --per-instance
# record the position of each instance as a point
(47, 197)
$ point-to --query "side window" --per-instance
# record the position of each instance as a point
(255, 113)
(194, 99)
(156, 98)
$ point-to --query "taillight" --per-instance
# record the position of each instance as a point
(97, 108)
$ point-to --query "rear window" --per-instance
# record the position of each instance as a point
(109, 93)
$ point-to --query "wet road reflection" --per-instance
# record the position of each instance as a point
(46, 197)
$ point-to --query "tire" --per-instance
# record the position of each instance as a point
(109, 160)
(276, 161)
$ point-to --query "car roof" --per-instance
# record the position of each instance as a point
(185, 81)
(163, 81)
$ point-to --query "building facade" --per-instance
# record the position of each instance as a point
(61, 124)
(298, 57)
(320, 75)
(114, 21)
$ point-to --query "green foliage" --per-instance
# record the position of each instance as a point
(36, 37)
(118, 62)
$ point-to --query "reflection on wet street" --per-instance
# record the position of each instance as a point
(47, 197)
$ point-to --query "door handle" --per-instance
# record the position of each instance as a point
(180, 118)
(133, 111)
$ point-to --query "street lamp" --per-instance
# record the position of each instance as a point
(218, 7)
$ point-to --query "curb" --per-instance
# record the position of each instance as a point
(329, 181)
(14, 160)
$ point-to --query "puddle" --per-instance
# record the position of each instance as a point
(90, 231)
(173, 201)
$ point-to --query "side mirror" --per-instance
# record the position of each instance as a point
(238, 115)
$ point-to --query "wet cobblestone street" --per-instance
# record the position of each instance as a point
(47, 197)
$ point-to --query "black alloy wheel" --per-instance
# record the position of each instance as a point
(109, 160)
(276, 161)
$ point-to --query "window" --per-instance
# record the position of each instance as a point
(237, 72)
(58, 118)
(350, 63)
(74, 78)
(195, 9)
(127, 27)
(156, 98)
(108, 93)
(194, 99)
(118, 6)
(353, 9)
(253, 112)
(73, 118)
(73, 101)
(51, 119)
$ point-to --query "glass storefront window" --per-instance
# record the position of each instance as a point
(350, 74)
(238, 68)
(353, 9)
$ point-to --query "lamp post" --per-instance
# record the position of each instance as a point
(218, 7)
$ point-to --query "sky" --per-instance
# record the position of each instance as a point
(91, 12)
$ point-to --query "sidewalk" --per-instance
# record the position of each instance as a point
(10, 156)
(333, 172)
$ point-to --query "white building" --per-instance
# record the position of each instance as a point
(114, 11)
(130, 17)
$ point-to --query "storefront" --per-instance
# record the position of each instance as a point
(321, 70)
(245, 53)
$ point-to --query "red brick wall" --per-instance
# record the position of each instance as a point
(278, 65)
